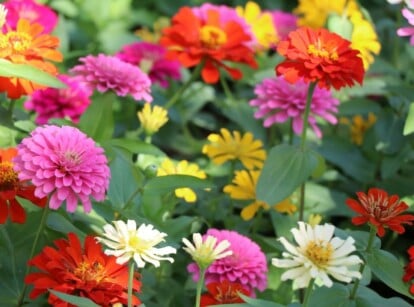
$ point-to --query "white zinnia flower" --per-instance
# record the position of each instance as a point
(204, 253)
(317, 255)
(3, 14)
(126, 241)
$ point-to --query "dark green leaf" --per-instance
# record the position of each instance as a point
(75, 300)
(135, 146)
(409, 122)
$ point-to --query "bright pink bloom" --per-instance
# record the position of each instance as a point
(105, 73)
(151, 58)
(31, 11)
(284, 23)
(407, 31)
(70, 102)
(278, 101)
(64, 163)
(247, 265)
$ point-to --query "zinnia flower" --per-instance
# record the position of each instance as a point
(151, 58)
(358, 126)
(63, 163)
(168, 167)
(69, 102)
(10, 187)
(152, 118)
(318, 255)
(109, 73)
(193, 41)
(126, 242)
(228, 146)
(81, 271)
(223, 293)
(205, 251)
(409, 269)
(246, 266)
(243, 187)
(380, 210)
(407, 31)
(278, 101)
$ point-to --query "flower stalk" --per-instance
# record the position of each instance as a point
(308, 293)
(130, 282)
(200, 284)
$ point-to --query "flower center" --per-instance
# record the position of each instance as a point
(19, 41)
(87, 271)
(212, 37)
(321, 52)
(319, 252)
(8, 177)
(138, 245)
(228, 295)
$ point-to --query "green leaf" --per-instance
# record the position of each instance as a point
(135, 146)
(409, 122)
(9, 69)
(164, 184)
(368, 298)
(75, 300)
(59, 223)
(337, 295)
(285, 168)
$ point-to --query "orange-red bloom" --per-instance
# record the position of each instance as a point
(320, 56)
(223, 293)
(380, 210)
(192, 40)
(85, 272)
(409, 269)
(10, 187)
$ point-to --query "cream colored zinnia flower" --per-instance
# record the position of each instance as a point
(152, 118)
(318, 255)
(126, 242)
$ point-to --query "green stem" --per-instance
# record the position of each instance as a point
(291, 132)
(226, 89)
(33, 250)
(130, 282)
(371, 238)
(301, 201)
(308, 292)
(200, 284)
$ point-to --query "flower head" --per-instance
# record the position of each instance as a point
(359, 126)
(224, 292)
(193, 40)
(205, 251)
(409, 269)
(278, 101)
(228, 146)
(380, 210)
(126, 242)
(69, 102)
(151, 58)
(152, 118)
(63, 163)
(82, 271)
(318, 255)
(10, 187)
(109, 73)
(246, 266)
(168, 167)
(407, 31)
(319, 56)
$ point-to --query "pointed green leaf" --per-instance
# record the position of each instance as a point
(74, 300)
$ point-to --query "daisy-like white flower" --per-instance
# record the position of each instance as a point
(317, 255)
(204, 252)
(125, 241)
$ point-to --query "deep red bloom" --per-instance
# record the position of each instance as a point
(317, 55)
(223, 293)
(85, 272)
(380, 210)
(10, 187)
(192, 40)
(409, 269)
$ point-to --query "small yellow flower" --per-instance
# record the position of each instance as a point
(152, 118)
(168, 167)
(153, 36)
(285, 206)
(225, 147)
(314, 219)
(359, 126)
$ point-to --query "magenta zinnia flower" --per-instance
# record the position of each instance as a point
(247, 265)
(284, 23)
(278, 101)
(407, 31)
(151, 58)
(63, 163)
(69, 102)
(105, 73)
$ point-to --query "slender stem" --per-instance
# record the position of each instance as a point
(200, 284)
(301, 201)
(226, 89)
(290, 131)
(34, 245)
(130, 282)
(308, 292)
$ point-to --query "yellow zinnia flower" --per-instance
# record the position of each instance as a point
(152, 118)
(244, 188)
(183, 167)
(359, 126)
(225, 147)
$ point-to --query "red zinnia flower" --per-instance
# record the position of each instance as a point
(85, 272)
(192, 40)
(10, 187)
(380, 210)
(409, 269)
(320, 56)
(223, 293)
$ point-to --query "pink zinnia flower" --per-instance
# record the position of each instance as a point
(150, 57)
(64, 163)
(31, 11)
(278, 101)
(407, 31)
(70, 102)
(284, 23)
(247, 265)
(105, 73)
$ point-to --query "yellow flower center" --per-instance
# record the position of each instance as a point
(137, 244)
(212, 37)
(19, 41)
(319, 252)
(90, 271)
(321, 52)
(72, 157)
(8, 177)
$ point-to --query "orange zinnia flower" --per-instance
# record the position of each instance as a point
(320, 56)
(27, 45)
(10, 187)
(380, 210)
(85, 272)
(192, 40)
(223, 293)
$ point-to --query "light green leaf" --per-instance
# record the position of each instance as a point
(75, 300)
(409, 122)
(135, 146)
(164, 184)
